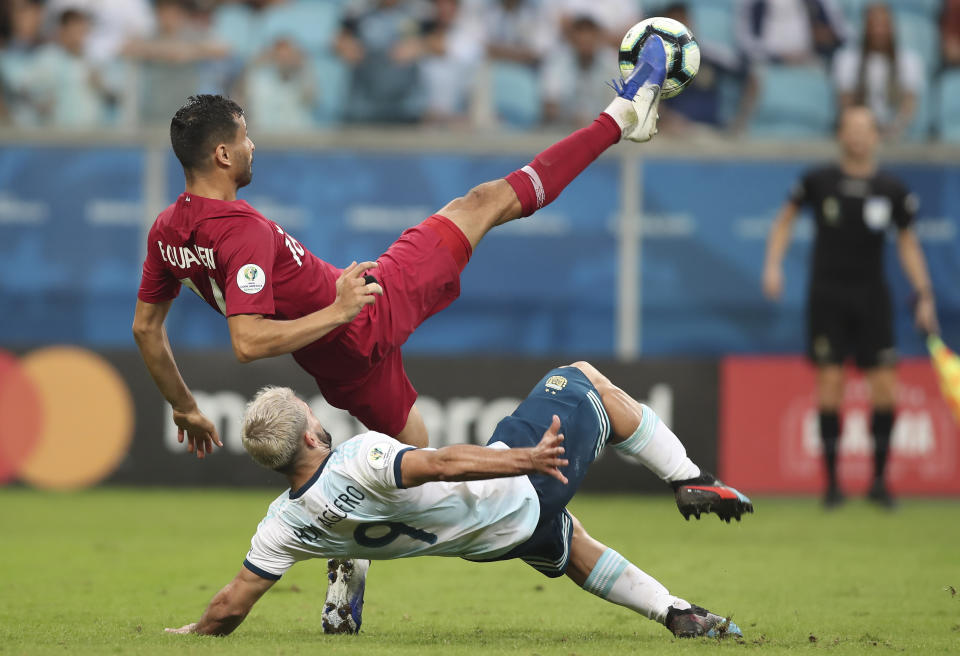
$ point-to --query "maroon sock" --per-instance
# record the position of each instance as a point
(540, 182)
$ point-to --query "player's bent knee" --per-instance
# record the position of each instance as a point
(484, 203)
(476, 199)
(597, 379)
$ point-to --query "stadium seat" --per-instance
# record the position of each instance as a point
(516, 94)
(947, 111)
(234, 25)
(794, 102)
(313, 25)
(926, 7)
(712, 19)
(333, 80)
(920, 32)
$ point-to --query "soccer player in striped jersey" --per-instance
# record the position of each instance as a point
(374, 497)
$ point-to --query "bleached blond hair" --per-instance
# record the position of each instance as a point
(273, 427)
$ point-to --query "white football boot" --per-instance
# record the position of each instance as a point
(638, 97)
(343, 608)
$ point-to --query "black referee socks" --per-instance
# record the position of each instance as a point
(881, 424)
(830, 434)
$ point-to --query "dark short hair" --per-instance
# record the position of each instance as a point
(674, 8)
(68, 16)
(203, 122)
(584, 21)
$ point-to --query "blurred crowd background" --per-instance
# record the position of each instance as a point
(771, 68)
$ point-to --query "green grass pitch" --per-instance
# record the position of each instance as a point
(102, 572)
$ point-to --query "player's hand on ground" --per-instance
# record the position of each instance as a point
(925, 315)
(353, 292)
(772, 282)
(547, 457)
(188, 628)
(199, 431)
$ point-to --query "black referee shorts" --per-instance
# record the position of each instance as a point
(855, 322)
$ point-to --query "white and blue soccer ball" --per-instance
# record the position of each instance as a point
(683, 53)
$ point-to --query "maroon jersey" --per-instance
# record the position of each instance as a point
(235, 259)
(241, 263)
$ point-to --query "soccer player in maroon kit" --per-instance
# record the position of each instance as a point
(342, 327)
(279, 298)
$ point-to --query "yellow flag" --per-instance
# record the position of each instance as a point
(947, 365)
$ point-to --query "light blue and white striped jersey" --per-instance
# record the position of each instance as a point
(356, 505)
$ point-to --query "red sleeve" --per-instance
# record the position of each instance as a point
(157, 284)
(248, 252)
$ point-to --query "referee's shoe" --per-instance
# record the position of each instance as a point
(706, 494)
(880, 495)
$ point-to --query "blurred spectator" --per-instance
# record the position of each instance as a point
(614, 17)
(171, 58)
(518, 31)
(880, 75)
(789, 31)
(574, 78)
(452, 48)
(950, 33)
(114, 22)
(58, 85)
(701, 102)
(20, 34)
(380, 41)
(280, 92)
(21, 28)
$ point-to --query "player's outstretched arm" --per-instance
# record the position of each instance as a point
(230, 606)
(151, 338)
(467, 462)
(254, 336)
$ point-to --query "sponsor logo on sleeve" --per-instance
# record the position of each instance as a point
(379, 455)
(251, 279)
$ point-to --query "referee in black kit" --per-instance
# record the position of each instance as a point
(848, 304)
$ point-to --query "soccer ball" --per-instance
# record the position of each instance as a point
(683, 53)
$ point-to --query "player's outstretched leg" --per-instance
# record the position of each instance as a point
(632, 115)
(602, 571)
(343, 608)
(639, 435)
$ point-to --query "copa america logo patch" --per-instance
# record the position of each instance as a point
(379, 454)
(251, 279)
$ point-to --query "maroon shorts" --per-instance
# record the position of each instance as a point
(360, 368)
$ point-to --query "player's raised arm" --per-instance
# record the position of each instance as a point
(151, 338)
(254, 336)
(467, 462)
(230, 606)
